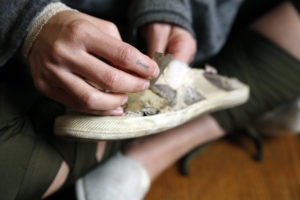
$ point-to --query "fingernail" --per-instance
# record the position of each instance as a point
(156, 72)
(119, 108)
(125, 99)
(117, 111)
(146, 85)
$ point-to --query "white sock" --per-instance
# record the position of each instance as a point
(120, 178)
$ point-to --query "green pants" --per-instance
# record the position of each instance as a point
(272, 74)
(30, 154)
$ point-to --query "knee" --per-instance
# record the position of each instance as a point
(59, 180)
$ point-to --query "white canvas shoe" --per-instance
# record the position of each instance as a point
(180, 94)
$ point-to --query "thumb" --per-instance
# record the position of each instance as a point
(182, 45)
(156, 36)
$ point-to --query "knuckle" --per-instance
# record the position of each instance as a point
(139, 86)
(111, 81)
(125, 54)
(58, 51)
(180, 45)
(39, 84)
(87, 101)
(78, 29)
(111, 28)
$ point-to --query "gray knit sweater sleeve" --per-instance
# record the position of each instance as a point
(209, 21)
(16, 17)
(213, 20)
(173, 11)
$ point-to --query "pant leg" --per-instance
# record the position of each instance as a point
(30, 154)
(272, 74)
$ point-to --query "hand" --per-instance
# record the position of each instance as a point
(167, 38)
(67, 51)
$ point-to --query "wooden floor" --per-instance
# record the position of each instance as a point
(226, 171)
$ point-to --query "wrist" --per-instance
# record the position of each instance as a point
(46, 14)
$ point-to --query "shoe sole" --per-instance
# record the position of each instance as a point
(86, 127)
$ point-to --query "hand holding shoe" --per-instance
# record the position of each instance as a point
(66, 53)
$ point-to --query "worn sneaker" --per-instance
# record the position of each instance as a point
(180, 94)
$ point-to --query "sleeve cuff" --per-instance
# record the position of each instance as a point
(38, 24)
(148, 11)
(164, 16)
